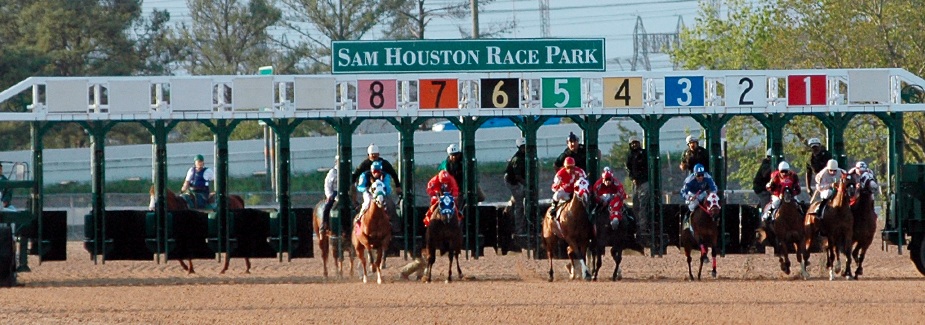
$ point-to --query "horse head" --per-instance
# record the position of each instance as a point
(447, 204)
(582, 189)
(378, 189)
(787, 194)
(712, 204)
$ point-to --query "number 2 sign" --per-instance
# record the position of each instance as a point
(805, 90)
(746, 91)
(376, 94)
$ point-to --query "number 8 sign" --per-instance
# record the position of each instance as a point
(683, 91)
(376, 94)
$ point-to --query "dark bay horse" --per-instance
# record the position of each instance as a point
(790, 233)
(373, 231)
(326, 245)
(702, 234)
(836, 226)
(443, 232)
(618, 240)
(861, 188)
(573, 227)
(177, 203)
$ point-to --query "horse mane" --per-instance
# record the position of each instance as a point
(840, 195)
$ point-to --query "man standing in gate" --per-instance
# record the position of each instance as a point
(515, 176)
(695, 154)
(372, 156)
(454, 165)
(6, 194)
(637, 166)
(817, 161)
(573, 150)
(762, 178)
(331, 184)
(197, 182)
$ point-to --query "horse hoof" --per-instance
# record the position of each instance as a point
(787, 271)
(713, 274)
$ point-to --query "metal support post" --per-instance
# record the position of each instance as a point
(345, 128)
(591, 128)
(529, 126)
(651, 125)
(283, 129)
(836, 123)
(713, 124)
(406, 127)
(467, 127)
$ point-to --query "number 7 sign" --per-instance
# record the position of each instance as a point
(805, 90)
(439, 94)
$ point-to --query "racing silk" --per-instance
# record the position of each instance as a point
(6, 194)
(330, 183)
(367, 179)
(865, 174)
(435, 188)
(565, 181)
(615, 189)
(692, 186)
(778, 184)
(199, 179)
(825, 181)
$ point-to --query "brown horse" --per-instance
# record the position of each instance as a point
(325, 244)
(572, 226)
(702, 234)
(177, 203)
(790, 233)
(836, 226)
(373, 232)
(443, 232)
(861, 188)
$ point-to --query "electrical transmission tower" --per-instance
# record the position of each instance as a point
(651, 43)
(544, 17)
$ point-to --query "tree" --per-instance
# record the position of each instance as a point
(228, 37)
(411, 19)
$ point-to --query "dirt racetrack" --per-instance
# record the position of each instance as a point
(497, 289)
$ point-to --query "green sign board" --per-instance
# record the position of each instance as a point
(489, 55)
(561, 92)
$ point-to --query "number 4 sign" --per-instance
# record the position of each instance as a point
(805, 90)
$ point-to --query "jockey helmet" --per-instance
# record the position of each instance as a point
(814, 142)
(861, 165)
(783, 166)
(452, 148)
(520, 141)
(198, 158)
(572, 137)
(692, 138)
(769, 153)
(832, 164)
(336, 159)
(607, 175)
(634, 139)
(443, 176)
(569, 162)
(372, 149)
(698, 168)
(376, 166)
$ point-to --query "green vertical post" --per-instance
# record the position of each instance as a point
(159, 131)
(37, 131)
(97, 131)
(897, 141)
(467, 127)
(713, 124)
(651, 125)
(222, 132)
(774, 133)
(835, 124)
(529, 125)
(345, 128)
(591, 128)
(406, 127)
(284, 129)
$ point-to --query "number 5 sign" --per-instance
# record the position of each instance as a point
(683, 91)
(561, 92)
(376, 94)
(805, 90)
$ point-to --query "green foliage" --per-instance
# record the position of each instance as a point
(229, 37)
(736, 42)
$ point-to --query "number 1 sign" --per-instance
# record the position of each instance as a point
(805, 90)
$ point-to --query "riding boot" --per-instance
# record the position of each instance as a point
(819, 208)
(768, 219)
(552, 212)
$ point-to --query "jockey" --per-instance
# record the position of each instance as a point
(442, 183)
(781, 179)
(330, 194)
(6, 194)
(609, 191)
(696, 187)
(366, 180)
(863, 173)
(825, 184)
(564, 183)
(197, 182)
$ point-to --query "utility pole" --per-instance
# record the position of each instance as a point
(475, 19)
(544, 18)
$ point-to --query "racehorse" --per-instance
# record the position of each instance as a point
(444, 232)
(837, 226)
(618, 240)
(865, 219)
(702, 234)
(178, 203)
(325, 244)
(790, 233)
(572, 226)
(373, 231)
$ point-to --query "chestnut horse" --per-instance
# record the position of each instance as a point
(702, 234)
(444, 232)
(618, 240)
(861, 188)
(790, 233)
(837, 226)
(177, 203)
(373, 231)
(572, 226)
(325, 244)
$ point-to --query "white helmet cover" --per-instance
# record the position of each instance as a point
(372, 149)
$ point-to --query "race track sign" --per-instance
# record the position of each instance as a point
(500, 93)
(438, 93)
(746, 91)
(684, 91)
(805, 90)
(376, 94)
(561, 92)
(623, 92)
(479, 55)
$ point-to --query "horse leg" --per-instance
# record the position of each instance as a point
(703, 256)
(431, 258)
(323, 246)
(185, 268)
(690, 271)
(583, 250)
(225, 267)
(713, 253)
(784, 257)
(597, 253)
(449, 276)
(361, 250)
(846, 250)
(550, 245)
(803, 258)
(247, 264)
(858, 255)
(380, 254)
(617, 254)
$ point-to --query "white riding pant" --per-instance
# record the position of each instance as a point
(827, 194)
(694, 201)
(561, 196)
(775, 201)
(367, 198)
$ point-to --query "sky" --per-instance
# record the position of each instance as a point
(613, 20)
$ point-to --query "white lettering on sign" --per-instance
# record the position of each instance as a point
(511, 57)
(394, 56)
(555, 54)
(345, 59)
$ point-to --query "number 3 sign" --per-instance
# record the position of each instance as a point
(683, 91)
(376, 94)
